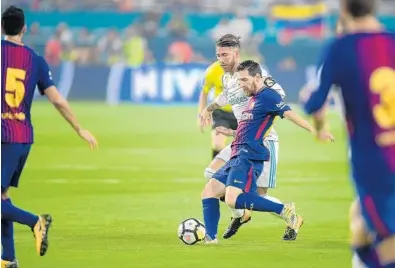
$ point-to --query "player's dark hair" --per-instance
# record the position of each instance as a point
(251, 66)
(229, 40)
(12, 20)
(360, 8)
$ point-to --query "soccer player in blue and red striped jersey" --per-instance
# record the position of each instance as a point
(362, 64)
(238, 177)
(22, 70)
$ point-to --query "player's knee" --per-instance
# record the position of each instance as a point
(218, 142)
(355, 210)
(385, 250)
(231, 197)
(262, 191)
(4, 194)
(359, 233)
(208, 173)
(213, 189)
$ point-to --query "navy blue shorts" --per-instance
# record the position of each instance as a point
(13, 159)
(378, 206)
(240, 172)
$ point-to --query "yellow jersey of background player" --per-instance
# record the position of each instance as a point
(221, 117)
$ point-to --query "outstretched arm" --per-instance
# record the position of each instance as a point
(298, 120)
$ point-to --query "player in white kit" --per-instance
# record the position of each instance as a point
(235, 96)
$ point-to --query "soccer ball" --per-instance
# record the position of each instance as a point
(191, 231)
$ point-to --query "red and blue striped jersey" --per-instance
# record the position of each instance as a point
(21, 71)
(255, 124)
(363, 66)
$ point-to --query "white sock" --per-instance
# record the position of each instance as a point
(237, 213)
(272, 198)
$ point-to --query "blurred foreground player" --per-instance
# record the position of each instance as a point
(22, 70)
(362, 64)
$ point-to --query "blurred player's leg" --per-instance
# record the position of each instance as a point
(361, 242)
(7, 240)
(386, 252)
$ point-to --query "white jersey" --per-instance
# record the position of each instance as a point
(234, 95)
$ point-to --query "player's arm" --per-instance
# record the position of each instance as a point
(225, 131)
(270, 82)
(206, 114)
(319, 97)
(47, 87)
(207, 86)
(298, 120)
(284, 111)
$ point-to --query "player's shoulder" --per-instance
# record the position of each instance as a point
(269, 94)
(214, 70)
(352, 38)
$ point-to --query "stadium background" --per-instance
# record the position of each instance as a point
(121, 205)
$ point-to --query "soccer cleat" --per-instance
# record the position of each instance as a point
(294, 222)
(9, 264)
(208, 240)
(40, 231)
(236, 223)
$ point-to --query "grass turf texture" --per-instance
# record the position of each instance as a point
(120, 206)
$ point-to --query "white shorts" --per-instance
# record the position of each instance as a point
(268, 177)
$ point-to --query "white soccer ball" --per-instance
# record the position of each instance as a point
(191, 231)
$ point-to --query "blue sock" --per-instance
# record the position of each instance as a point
(211, 214)
(389, 265)
(7, 239)
(367, 254)
(257, 203)
(11, 213)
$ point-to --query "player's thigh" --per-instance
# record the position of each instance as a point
(268, 177)
(213, 189)
(11, 160)
(243, 174)
(24, 154)
(218, 141)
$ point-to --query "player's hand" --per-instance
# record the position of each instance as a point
(86, 135)
(224, 131)
(206, 119)
(325, 136)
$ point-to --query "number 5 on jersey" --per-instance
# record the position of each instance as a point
(15, 87)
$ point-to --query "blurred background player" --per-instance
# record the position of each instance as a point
(23, 70)
(228, 56)
(222, 117)
(362, 64)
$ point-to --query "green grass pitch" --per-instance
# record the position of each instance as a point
(120, 206)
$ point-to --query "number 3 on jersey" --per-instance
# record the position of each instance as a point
(15, 88)
(382, 82)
